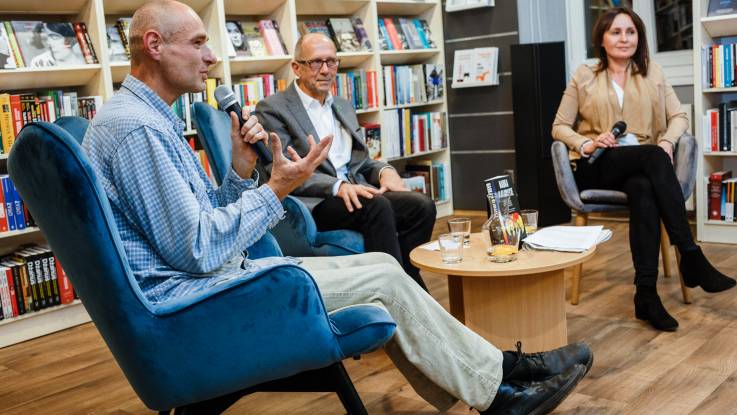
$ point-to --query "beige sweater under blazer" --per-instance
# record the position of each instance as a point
(589, 107)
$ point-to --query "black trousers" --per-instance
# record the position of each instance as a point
(646, 174)
(393, 222)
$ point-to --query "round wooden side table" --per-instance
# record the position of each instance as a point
(520, 300)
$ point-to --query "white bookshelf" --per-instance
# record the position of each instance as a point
(99, 79)
(707, 29)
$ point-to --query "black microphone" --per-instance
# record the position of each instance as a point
(227, 102)
(618, 129)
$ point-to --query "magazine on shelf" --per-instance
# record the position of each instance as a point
(45, 44)
(722, 7)
(253, 36)
(343, 35)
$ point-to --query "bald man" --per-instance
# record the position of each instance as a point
(349, 190)
(181, 236)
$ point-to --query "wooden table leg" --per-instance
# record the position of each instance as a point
(528, 308)
(455, 296)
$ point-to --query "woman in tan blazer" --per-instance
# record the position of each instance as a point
(625, 85)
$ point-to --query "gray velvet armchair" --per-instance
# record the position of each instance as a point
(601, 200)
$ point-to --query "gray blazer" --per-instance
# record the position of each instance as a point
(284, 114)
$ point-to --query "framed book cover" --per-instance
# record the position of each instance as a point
(342, 33)
(253, 38)
(237, 39)
(45, 44)
(722, 7)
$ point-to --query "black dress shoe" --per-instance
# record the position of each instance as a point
(534, 398)
(540, 366)
(697, 270)
(648, 307)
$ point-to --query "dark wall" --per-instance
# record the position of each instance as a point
(481, 120)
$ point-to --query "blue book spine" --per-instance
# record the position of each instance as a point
(385, 35)
(20, 217)
(9, 207)
(421, 33)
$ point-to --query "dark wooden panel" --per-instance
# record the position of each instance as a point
(481, 99)
(490, 132)
(482, 21)
(469, 172)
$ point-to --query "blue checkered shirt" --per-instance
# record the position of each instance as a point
(180, 234)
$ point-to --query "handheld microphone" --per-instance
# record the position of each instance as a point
(618, 129)
(227, 102)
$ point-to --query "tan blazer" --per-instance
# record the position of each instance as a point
(589, 107)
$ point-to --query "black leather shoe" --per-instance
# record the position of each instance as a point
(697, 270)
(540, 366)
(648, 307)
(534, 398)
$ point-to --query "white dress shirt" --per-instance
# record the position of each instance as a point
(323, 119)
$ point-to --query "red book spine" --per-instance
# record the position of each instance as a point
(393, 35)
(715, 194)
(12, 289)
(714, 131)
(15, 109)
(66, 291)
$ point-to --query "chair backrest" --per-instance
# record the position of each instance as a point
(75, 126)
(49, 168)
(213, 130)
(564, 176)
(684, 160)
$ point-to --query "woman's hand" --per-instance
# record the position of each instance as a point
(604, 140)
(667, 146)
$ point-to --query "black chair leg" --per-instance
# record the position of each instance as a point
(347, 392)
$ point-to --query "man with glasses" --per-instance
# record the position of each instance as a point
(352, 190)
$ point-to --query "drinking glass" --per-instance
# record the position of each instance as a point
(461, 225)
(451, 247)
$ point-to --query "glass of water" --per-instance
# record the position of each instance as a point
(451, 247)
(461, 225)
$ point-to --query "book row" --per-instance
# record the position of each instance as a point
(718, 63)
(426, 177)
(32, 279)
(349, 35)
(400, 33)
(721, 190)
(720, 128)
(255, 38)
(359, 87)
(17, 110)
(412, 84)
(39, 44)
(405, 133)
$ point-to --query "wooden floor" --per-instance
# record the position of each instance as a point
(636, 369)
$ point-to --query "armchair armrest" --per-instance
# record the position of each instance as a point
(297, 231)
(564, 176)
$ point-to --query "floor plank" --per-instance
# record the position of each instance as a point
(636, 369)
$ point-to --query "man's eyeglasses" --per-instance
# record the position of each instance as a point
(316, 64)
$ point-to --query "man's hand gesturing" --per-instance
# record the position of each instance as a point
(287, 175)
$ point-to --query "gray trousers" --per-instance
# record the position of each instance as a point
(442, 359)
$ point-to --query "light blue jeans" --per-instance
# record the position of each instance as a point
(441, 358)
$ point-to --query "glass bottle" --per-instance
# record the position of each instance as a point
(500, 232)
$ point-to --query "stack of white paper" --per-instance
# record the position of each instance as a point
(568, 238)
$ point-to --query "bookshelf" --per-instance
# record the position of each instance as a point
(707, 32)
(101, 79)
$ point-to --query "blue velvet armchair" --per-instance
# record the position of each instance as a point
(601, 200)
(297, 233)
(201, 352)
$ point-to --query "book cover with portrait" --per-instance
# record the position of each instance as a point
(45, 44)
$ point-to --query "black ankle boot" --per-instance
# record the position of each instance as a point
(535, 398)
(697, 270)
(648, 307)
